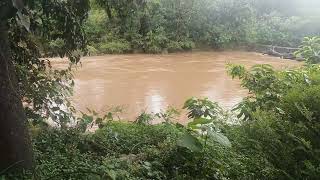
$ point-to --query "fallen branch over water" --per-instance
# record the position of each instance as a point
(277, 51)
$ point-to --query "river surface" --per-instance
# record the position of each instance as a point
(141, 82)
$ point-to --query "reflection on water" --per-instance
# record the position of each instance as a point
(155, 102)
(153, 82)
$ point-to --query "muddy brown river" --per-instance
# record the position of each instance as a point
(141, 82)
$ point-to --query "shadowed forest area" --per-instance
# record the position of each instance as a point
(273, 133)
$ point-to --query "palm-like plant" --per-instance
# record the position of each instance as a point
(201, 108)
(310, 50)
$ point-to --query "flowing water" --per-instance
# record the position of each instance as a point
(141, 82)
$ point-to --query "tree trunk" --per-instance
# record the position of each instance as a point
(15, 146)
(109, 13)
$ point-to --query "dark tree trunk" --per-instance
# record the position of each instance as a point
(15, 146)
(109, 13)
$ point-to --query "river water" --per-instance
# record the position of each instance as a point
(141, 82)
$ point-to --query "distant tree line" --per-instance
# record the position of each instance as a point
(154, 26)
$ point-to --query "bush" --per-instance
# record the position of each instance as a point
(310, 50)
(133, 151)
(176, 46)
(120, 151)
(55, 48)
(284, 111)
(114, 47)
(92, 51)
(155, 41)
(287, 141)
(302, 100)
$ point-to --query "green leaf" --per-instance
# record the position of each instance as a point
(24, 20)
(199, 121)
(190, 142)
(112, 174)
(87, 119)
(219, 138)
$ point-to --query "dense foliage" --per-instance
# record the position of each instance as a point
(55, 29)
(277, 139)
(157, 26)
(282, 118)
(310, 50)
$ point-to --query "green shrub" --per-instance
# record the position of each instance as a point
(201, 108)
(175, 46)
(114, 47)
(92, 51)
(288, 141)
(187, 45)
(300, 100)
(310, 50)
(55, 47)
(144, 118)
(155, 41)
(128, 151)
(284, 110)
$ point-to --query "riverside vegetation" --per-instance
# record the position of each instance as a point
(158, 26)
(272, 134)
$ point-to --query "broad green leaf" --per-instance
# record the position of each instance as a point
(219, 138)
(190, 142)
(200, 121)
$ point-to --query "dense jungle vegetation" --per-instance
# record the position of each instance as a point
(272, 134)
(180, 25)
